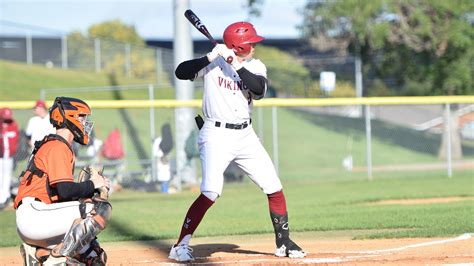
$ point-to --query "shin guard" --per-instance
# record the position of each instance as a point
(84, 231)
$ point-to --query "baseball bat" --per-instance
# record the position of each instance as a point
(194, 19)
(196, 22)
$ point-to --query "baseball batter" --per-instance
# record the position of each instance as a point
(232, 81)
(55, 215)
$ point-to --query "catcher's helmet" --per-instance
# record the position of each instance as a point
(71, 113)
(239, 36)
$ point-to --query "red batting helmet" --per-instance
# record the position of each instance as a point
(238, 37)
(66, 113)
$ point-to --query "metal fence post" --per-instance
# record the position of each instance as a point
(98, 59)
(42, 94)
(261, 131)
(275, 138)
(64, 53)
(368, 136)
(152, 131)
(127, 60)
(447, 125)
(29, 49)
(159, 66)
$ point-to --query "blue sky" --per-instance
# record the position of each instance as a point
(153, 19)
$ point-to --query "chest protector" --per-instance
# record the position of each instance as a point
(34, 170)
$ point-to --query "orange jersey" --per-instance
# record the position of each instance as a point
(56, 160)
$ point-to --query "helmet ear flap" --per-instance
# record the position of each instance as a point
(57, 116)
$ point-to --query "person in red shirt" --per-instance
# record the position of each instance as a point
(9, 136)
(49, 201)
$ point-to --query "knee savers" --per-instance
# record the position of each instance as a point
(103, 211)
(83, 231)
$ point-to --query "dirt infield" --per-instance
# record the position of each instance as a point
(334, 248)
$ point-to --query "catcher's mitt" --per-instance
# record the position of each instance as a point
(86, 174)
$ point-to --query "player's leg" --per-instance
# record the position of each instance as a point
(279, 215)
(215, 158)
(80, 241)
(181, 250)
(6, 167)
(255, 161)
(42, 226)
(46, 225)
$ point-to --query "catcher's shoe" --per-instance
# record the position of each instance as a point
(95, 255)
(181, 253)
(28, 254)
(60, 261)
(290, 249)
(42, 254)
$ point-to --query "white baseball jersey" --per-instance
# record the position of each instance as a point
(225, 98)
(227, 101)
(39, 127)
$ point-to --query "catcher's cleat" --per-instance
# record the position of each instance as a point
(42, 254)
(290, 249)
(60, 261)
(181, 253)
(28, 254)
(94, 255)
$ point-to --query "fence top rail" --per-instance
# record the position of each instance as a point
(279, 102)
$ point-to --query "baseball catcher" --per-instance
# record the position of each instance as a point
(58, 219)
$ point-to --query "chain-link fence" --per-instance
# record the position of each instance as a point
(304, 142)
(42, 46)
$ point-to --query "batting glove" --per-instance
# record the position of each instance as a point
(212, 55)
(230, 57)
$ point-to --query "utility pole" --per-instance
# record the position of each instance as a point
(184, 116)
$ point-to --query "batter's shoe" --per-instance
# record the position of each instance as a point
(290, 249)
(181, 253)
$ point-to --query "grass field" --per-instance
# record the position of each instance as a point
(313, 204)
(305, 139)
(21, 82)
(321, 195)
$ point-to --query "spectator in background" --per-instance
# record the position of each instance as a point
(39, 126)
(9, 136)
(113, 151)
(162, 146)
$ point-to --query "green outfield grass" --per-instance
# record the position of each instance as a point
(313, 204)
(321, 195)
(21, 82)
(309, 144)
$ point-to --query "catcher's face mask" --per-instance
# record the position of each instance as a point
(87, 124)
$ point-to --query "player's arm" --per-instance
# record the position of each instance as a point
(255, 83)
(189, 69)
(68, 191)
